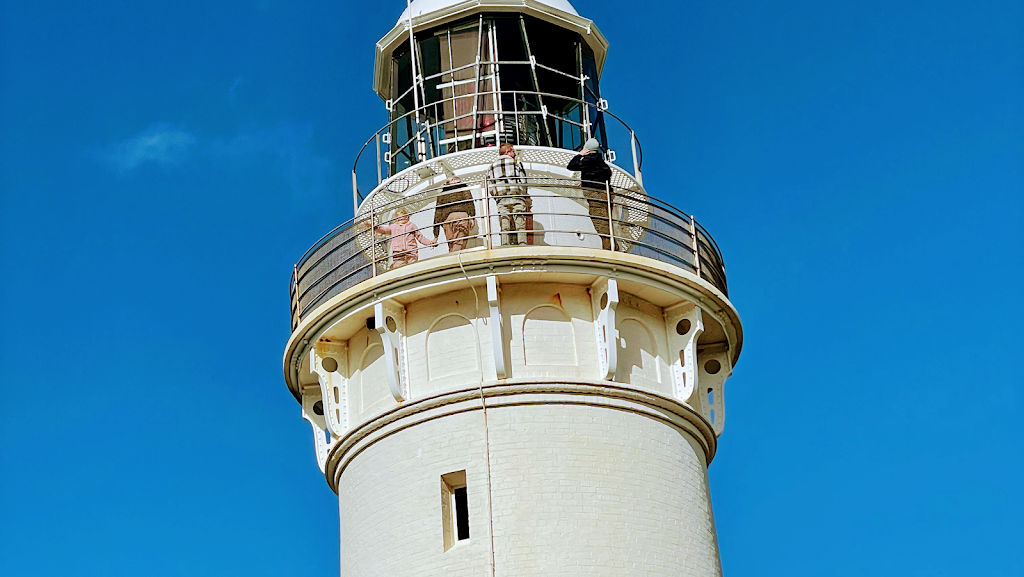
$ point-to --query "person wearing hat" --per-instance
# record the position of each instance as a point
(595, 176)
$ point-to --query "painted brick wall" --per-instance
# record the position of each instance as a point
(577, 490)
(593, 491)
(390, 503)
(551, 330)
(449, 342)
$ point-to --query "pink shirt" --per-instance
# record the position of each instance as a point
(404, 236)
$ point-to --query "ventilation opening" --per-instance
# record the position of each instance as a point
(454, 509)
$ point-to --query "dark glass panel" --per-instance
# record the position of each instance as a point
(403, 127)
(462, 513)
(430, 64)
(592, 94)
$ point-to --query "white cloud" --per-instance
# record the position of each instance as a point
(233, 91)
(286, 147)
(161, 144)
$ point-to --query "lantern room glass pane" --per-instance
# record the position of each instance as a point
(492, 79)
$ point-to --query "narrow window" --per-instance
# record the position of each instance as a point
(462, 513)
(454, 508)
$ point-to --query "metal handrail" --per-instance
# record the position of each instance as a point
(483, 63)
(426, 128)
(635, 223)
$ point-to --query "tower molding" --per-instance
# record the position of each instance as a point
(519, 392)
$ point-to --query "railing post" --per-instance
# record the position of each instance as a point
(586, 107)
(487, 210)
(415, 76)
(696, 245)
(380, 178)
(611, 225)
(373, 241)
(636, 161)
(355, 192)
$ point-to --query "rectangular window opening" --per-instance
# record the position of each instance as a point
(454, 509)
(462, 513)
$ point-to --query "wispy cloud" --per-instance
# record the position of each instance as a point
(233, 91)
(160, 144)
(286, 146)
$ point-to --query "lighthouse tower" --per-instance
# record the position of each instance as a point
(511, 367)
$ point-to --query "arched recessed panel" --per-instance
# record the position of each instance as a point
(452, 348)
(549, 338)
(373, 378)
(638, 355)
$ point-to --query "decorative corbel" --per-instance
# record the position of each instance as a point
(497, 331)
(715, 367)
(312, 412)
(604, 298)
(684, 324)
(329, 362)
(390, 321)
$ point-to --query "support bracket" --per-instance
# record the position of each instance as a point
(604, 297)
(329, 362)
(497, 331)
(323, 441)
(715, 367)
(389, 317)
(683, 347)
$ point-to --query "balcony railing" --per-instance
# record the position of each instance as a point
(560, 212)
(519, 117)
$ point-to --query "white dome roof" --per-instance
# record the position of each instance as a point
(426, 6)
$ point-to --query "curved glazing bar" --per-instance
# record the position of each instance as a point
(392, 232)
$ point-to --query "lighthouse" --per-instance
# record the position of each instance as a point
(513, 358)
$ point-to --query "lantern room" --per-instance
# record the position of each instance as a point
(477, 73)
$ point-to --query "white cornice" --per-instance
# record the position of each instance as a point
(520, 392)
(435, 273)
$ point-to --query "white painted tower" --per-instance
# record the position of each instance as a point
(540, 402)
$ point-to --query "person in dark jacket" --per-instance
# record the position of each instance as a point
(454, 212)
(595, 175)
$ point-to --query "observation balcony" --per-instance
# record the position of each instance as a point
(563, 212)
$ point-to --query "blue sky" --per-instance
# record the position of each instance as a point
(163, 164)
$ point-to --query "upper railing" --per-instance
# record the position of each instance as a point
(515, 116)
(467, 216)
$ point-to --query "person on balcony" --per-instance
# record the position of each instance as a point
(595, 179)
(404, 234)
(508, 186)
(454, 213)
